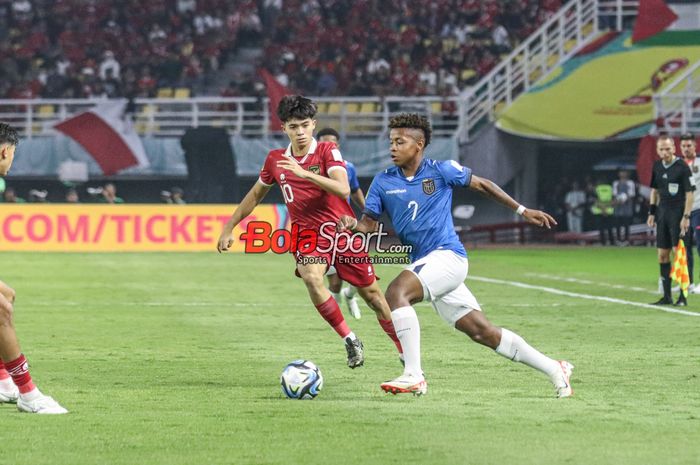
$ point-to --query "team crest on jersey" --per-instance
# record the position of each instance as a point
(315, 169)
(428, 186)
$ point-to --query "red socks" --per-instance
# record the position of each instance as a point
(19, 370)
(388, 328)
(330, 312)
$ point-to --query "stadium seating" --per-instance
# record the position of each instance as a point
(152, 49)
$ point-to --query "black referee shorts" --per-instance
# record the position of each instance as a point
(668, 227)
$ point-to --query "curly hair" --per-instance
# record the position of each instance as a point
(412, 121)
(296, 107)
(8, 134)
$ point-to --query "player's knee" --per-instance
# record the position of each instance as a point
(396, 296)
(5, 313)
(9, 293)
(313, 280)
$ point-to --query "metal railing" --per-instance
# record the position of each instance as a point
(363, 116)
(677, 107)
(556, 41)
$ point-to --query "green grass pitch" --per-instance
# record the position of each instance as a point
(175, 359)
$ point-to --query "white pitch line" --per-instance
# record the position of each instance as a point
(595, 283)
(613, 300)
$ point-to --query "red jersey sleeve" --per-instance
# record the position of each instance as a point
(266, 175)
(330, 154)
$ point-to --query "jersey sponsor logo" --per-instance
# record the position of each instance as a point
(396, 191)
(315, 169)
(429, 186)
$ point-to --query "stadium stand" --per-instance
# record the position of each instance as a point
(174, 48)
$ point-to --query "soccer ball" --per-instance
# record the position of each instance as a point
(301, 379)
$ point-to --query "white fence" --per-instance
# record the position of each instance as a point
(240, 116)
(677, 108)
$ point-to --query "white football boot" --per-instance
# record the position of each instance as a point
(8, 393)
(406, 384)
(43, 405)
(351, 303)
(561, 380)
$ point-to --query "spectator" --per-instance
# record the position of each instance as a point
(105, 194)
(9, 196)
(178, 195)
(603, 210)
(624, 194)
(575, 202)
(72, 196)
(109, 64)
(109, 194)
(377, 63)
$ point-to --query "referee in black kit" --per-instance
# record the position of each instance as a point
(669, 208)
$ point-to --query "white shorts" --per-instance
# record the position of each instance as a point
(442, 274)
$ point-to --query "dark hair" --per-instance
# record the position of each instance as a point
(296, 107)
(8, 134)
(328, 132)
(412, 121)
(688, 136)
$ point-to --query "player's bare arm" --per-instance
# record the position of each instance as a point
(364, 225)
(254, 196)
(336, 183)
(491, 190)
(653, 202)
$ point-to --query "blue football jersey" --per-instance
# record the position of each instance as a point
(420, 207)
(352, 176)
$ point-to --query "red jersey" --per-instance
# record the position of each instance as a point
(309, 206)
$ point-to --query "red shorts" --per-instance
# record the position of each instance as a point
(352, 267)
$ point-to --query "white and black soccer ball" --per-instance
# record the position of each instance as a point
(301, 379)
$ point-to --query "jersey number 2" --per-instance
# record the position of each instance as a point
(413, 204)
(287, 193)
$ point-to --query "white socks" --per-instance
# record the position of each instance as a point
(349, 291)
(336, 296)
(514, 347)
(34, 394)
(408, 331)
(7, 384)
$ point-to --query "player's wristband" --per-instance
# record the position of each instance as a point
(652, 210)
(687, 217)
(521, 209)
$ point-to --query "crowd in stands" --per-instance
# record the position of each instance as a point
(86, 48)
(393, 47)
